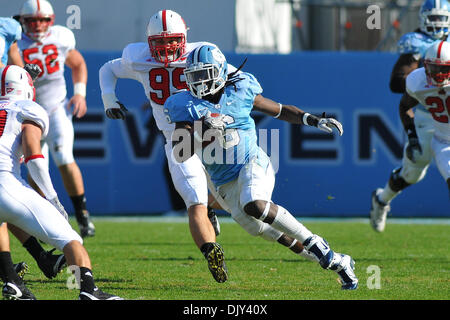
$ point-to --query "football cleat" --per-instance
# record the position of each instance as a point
(378, 212)
(21, 269)
(14, 291)
(216, 262)
(344, 266)
(51, 264)
(214, 221)
(98, 294)
(87, 228)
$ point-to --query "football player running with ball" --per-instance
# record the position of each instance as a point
(218, 106)
(430, 86)
(434, 18)
(23, 123)
(52, 47)
(158, 65)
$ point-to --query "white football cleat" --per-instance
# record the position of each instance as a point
(378, 212)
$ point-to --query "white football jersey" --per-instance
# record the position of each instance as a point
(12, 115)
(50, 55)
(158, 81)
(435, 99)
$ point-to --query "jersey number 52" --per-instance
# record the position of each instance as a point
(50, 52)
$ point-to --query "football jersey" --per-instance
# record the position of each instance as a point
(10, 31)
(239, 143)
(50, 54)
(435, 99)
(12, 115)
(158, 81)
(415, 43)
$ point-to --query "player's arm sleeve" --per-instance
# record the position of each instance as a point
(2, 48)
(405, 64)
(108, 75)
(31, 137)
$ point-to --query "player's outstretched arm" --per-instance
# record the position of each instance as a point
(75, 61)
(407, 102)
(295, 115)
(14, 56)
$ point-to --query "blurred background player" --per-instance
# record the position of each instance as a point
(10, 32)
(244, 178)
(434, 19)
(158, 65)
(23, 123)
(49, 263)
(51, 47)
(430, 86)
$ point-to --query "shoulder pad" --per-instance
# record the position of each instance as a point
(10, 29)
(135, 52)
(64, 35)
(414, 43)
(30, 110)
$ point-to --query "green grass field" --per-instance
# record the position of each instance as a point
(142, 260)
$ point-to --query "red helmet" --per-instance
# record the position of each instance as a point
(437, 63)
(166, 32)
(36, 17)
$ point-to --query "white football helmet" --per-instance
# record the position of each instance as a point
(36, 17)
(437, 63)
(16, 84)
(166, 34)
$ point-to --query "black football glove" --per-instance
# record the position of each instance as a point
(117, 113)
(33, 69)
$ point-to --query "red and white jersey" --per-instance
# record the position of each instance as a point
(12, 115)
(435, 99)
(159, 82)
(50, 55)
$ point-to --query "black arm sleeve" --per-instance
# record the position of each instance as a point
(398, 76)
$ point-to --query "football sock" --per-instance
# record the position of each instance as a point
(387, 194)
(286, 223)
(79, 203)
(7, 272)
(86, 280)
(33, 247)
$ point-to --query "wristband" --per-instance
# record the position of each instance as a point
(411, 131)
(310, 120)
(79, 88)
(279, 113)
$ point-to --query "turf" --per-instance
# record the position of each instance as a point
(158, 260)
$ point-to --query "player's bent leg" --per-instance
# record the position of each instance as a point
(73, 183)
(50, 264)
(282, 220)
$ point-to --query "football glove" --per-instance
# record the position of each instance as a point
(117, 113)
(413, 150)
(33, 69)
(327, 125)
(215, 121)
(55, 202)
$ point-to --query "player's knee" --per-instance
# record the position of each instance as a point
(255, 208)
(396, 181)
(62, 158)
